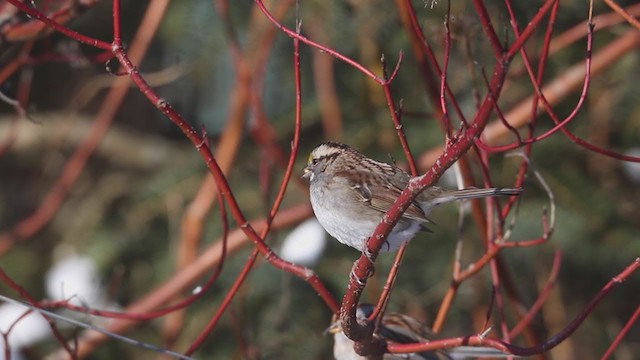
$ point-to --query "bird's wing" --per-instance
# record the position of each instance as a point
(381, 194)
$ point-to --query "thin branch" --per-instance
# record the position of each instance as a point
(623, 332)
(62, 29)
(617, 8)
(48, 314)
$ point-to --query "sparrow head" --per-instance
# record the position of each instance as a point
(322, 157)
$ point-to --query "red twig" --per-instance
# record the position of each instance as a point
(443, 75)
(321, 47)
(617, 8)
(544, 294)
(27, 296)
(623, 332)
(531, 27)
(62, 29)
(424, 52)
(485, 19)
(225, 303)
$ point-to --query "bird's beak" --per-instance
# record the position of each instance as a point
(307, 173)
(334, 328)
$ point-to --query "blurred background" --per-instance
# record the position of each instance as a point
(124, 221)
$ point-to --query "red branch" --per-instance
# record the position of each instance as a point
(62, 29)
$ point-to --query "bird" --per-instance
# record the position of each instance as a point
(350, 193)
(403, 329)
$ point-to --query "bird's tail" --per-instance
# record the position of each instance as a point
(471, 193)
(467, 352)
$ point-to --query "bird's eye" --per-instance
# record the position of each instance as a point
(314, 161)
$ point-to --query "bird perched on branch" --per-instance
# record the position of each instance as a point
(350, 193)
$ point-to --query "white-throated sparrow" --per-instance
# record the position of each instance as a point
(350, 193)
(403, 329)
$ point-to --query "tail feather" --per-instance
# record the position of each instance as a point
(471, 193)
(465, 352)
